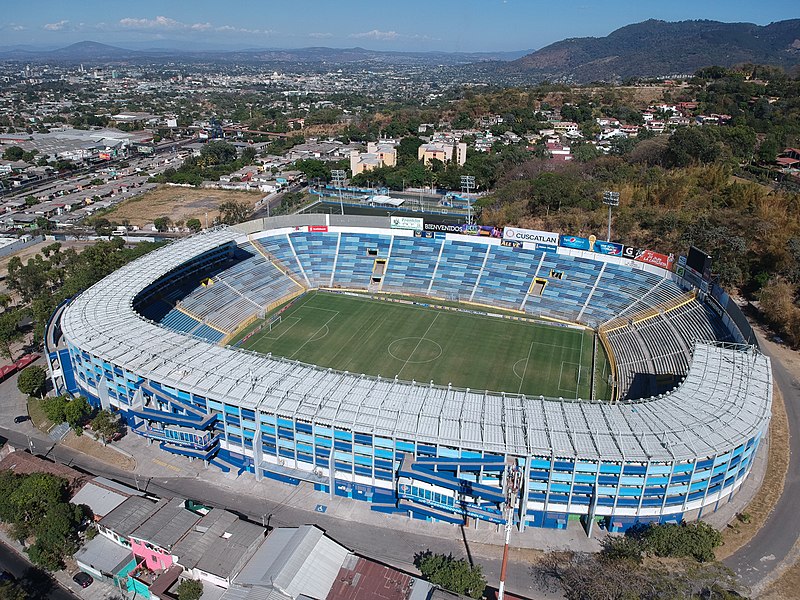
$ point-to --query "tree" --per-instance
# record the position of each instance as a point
(55, 408)
(162, 223)
(233, 212)
(32, 380)
(105, 424)
(5, 301)
(11, 590)
(9, 331)
(13, 153)
(194, 225)
(76, 411)
(218, 153)
(456, 575)
(190, 589)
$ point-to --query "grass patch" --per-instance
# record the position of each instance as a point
(38, 418)
(376, 337)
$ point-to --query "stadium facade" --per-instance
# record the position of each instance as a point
(693, 391)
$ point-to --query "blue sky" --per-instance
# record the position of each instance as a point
(449, 25)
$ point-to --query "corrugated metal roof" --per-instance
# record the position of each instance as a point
(301, 560)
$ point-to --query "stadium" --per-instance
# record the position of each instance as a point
(415, 365)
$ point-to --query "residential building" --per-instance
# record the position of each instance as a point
(378, 154)
(443, 152)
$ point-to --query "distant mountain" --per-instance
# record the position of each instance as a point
(659, 48)
(93, 51)
(102, 53)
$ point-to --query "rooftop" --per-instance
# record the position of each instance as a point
(218, 543)
(295, 560)
(101, 500)
(168, 524)
(125, 518)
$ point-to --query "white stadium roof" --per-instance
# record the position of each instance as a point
(724, 400)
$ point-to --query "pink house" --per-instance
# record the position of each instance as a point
(150, 529)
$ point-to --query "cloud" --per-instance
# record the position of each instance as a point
(376, 34)
(57, 26)
(161, 22)
(320, 35)
(18, 28)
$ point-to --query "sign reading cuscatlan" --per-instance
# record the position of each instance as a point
(530, 235)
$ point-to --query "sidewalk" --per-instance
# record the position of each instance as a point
(153, 462)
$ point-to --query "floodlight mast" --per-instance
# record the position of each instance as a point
(610, 199)
(338, 176)
(513, 479)
(468, 183)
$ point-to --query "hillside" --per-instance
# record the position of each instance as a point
(659, 48)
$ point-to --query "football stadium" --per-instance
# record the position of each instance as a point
(418, 365)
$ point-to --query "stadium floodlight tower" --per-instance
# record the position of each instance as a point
(338, 176)
(610, 199)
(467, 184)
(512, 481)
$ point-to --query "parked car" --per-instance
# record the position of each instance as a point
(21, 419)
(82, 579)
(6, 576)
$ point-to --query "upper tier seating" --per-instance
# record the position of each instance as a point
(651, 348)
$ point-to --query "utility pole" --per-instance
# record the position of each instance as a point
(512, 481)
(610, 199)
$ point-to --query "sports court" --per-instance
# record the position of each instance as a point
(412, 342)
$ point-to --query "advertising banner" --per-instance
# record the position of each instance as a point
(424, 234)
(441, 227)
(656, 259)
(609, 248)
(630, 252)
(530, 235)
(463, 229)
(573, 241)
(318, 228)
(414, 223)
(511, 243)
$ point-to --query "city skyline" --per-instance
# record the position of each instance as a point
(451, 26)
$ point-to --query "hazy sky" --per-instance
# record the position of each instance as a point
(450, 25)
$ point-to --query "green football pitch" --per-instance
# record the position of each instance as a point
(413, 342)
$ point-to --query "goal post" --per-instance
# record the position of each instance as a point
(274, 322)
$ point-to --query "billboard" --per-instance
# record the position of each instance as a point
(511, 243)
(573, 241)
(630, 252)
(414, 223)
(441, 227)
(530, 235)
(609, 248)
(699, 262)
(655, 258)
(319, 228)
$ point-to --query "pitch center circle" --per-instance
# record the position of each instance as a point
(415, 350)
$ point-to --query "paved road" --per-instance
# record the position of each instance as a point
(774, 542)
(36, 581)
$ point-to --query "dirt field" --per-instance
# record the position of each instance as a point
(177, 203)
(95, 449)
